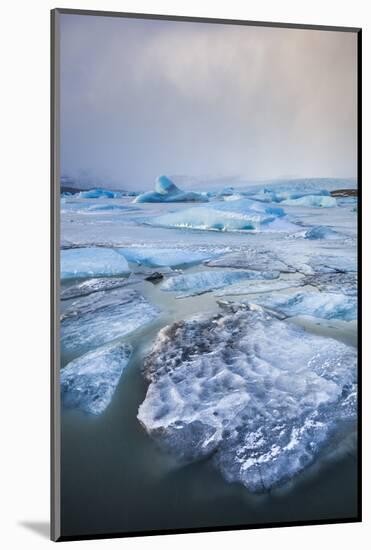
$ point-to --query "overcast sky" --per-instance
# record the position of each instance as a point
(141, 98)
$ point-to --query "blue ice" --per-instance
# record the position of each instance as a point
(92, 262)
(162, 257)
(99, 193)
(167, 191)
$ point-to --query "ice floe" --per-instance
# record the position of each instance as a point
(162, 257)
(344, 283)
(327, 264)
(205, 281)
(315, 304)
(89, 382)
(317, 201)
(167, 191)
(103, 316)
(92, 262)
(259, 396)
(96, 285)
(239, 215)
(258, 287)
(251, 258)
(100, 193)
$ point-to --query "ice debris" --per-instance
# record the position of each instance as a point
(167, 191)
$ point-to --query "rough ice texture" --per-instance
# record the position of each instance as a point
(345, 283)
(96, 285)
(259, 396)
(205, 281)
(328, 264)
(317, 201)
(162, 257)
(167, 191)
(322, 232)
(103, 316)
(315, 304)
(89, 382)
(239, 215)
(92, 262)
(257, 287)
(100, 193)
(252, 258)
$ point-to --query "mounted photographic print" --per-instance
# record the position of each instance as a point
(205, 206)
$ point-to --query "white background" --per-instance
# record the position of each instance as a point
(24, 254)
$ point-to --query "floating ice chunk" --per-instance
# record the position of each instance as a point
(161, 257)
(99, 193)
(240, 215)
(315, 304)
(234, 197)
(322, 232)
(96, 285)
(167, 191)
(110, 208)
(259, 396)
(339, 283)
(103, 316)
(312, 201)
(257, 287)
(92, 262)
(205, 281)
(89, 382)
(278, 194)
(251, 258)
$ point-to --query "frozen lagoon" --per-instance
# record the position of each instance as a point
(130, 229)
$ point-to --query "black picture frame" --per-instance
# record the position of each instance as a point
(55, 433)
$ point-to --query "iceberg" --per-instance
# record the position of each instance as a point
(96, 285)
(239, 215)
(259, 287)
(167, 191)
(92, 262)
(338, 283)
(252, 258)
(89, 382)
(164, 257)
(101, 317)
(259, 397)
(322, 232)
(317, 201)
(315, 304)
(206, 281)
(99, 193)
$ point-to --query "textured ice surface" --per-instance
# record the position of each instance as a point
(321, 232)
(255, 287)
(239, 215)
(205, 281)
(328, 264)
(92, 262)
(103, 316)
(167, 191)
(312, 201)
(96, 285)
(258, 395)
(251, 258)
(99, 193)
(161, 257)
(89, 382)
(316, 304)
(345, 283)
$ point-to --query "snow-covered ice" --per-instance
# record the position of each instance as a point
(167, 191)
(252, 258)
(259, 396)
(315, 304)
(205, 281)
(89, 382)
(92, 262)
(103, 316)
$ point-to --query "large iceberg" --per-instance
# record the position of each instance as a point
(239, 215)
(89, 382)
(205, 281)
(100, 193)
(103, 316)
(92, 262)
(162, 257)
(167, 191)
(315, 304)
(259, 396)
